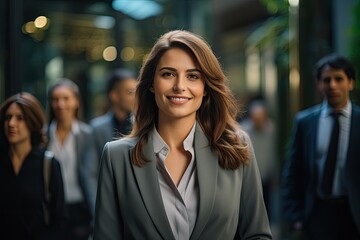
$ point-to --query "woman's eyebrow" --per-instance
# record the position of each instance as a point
(174, 69)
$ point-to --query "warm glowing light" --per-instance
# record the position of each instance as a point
(110, 53)
(40, 22)
(30, 27)
(127, 54)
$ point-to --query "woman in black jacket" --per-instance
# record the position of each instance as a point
(23, 208)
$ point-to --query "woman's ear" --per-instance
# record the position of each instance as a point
(151, 89)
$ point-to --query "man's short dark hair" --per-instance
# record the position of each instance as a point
(117, 76)
(336, 62)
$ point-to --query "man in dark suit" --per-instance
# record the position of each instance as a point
(121, 85)
(321, 179)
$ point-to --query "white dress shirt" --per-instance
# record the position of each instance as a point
(181, 203)
(66, 155)
(323, 141)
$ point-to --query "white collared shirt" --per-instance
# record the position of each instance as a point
(181, 203)
(66, 155)
(323, 141)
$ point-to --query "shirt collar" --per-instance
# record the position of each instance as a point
(75, 127)
(159, 144)
(327, 110)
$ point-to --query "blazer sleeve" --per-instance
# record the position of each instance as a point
(292, 188)
(89, 168)
(108, 218)
(253, 219)
(57, 202)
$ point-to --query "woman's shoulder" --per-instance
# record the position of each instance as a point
(123, 143)
(118, 152)
(84, 127)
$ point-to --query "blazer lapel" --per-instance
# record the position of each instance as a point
(352, 162)
(207, 171)
(79, 144)
(148, 183)
(312, 137)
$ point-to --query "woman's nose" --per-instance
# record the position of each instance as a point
(12, 121)
(179, 85)
(60, 103)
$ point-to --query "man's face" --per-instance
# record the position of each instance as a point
(123, 95)
(335, 85)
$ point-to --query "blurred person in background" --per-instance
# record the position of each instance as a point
(321, 180)
(118, 121)
(262, 132)
(71, 141)
(186, 171)
(23, 205)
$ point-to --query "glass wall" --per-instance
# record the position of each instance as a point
(84, 40)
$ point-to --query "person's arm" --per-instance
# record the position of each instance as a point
(89, 170)
(108, 219)
(293, 190)
(57, 201)
(253, 218)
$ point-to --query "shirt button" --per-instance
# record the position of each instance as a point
(164, 151)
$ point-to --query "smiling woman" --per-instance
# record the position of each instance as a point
(186, 171)
(178, 86)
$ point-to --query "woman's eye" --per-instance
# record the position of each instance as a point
(167, 74)
(193, 76)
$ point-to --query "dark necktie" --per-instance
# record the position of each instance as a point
(328, 177)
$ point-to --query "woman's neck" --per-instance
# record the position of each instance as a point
(63, 128)
(17, 153)
(174, 132)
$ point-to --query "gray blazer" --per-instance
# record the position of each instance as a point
(102, 130)
(87, 164)
(129, 203)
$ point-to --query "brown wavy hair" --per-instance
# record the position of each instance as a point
(34, 117)
(217, 113)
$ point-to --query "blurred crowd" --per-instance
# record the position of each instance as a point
(75, 148)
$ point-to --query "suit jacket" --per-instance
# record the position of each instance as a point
(129, 203)
(103, 130)
(300, 174)
(88, 164)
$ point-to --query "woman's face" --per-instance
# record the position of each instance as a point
(178, 85)
(64, 103)
(16, 129)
